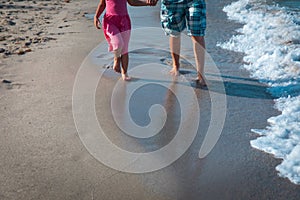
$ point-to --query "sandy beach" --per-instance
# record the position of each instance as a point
(42, 46)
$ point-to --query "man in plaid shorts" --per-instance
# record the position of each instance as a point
(177, 15)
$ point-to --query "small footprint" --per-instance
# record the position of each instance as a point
(8, 84)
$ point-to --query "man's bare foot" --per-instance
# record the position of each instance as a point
(174, 72)
(117, 65)
(201, 80)
(125, 77)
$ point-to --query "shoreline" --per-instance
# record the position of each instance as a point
(42, 156)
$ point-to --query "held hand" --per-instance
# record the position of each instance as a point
(152, 2)
(96, 22)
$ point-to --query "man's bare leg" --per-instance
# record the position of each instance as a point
(199, 52)
(175, 53)
(125, 61)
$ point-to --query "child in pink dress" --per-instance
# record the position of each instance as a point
(116, 28)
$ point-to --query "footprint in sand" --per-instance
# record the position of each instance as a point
(9, 85)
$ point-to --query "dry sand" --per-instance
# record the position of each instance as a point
(24, 25)
(42, 156)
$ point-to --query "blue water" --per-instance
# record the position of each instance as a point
(290, 4)
(270, 40)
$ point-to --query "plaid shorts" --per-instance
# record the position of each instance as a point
(189, 14)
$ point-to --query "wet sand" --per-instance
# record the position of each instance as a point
(42, 156)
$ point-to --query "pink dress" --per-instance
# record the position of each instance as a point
(116, 25)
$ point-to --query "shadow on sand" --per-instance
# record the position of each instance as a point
(234, 86)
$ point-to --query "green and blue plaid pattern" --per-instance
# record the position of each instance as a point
(189, 14)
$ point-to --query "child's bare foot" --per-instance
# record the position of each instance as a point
(125, 77)
(117, 65)
(174, 72)
(201, 80)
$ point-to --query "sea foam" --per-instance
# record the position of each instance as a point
(270, 40)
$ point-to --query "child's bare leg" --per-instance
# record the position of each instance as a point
(117, 61)
(175, 53)
(117, 64)
(124, 61)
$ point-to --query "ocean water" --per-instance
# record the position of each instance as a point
(269, 37)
